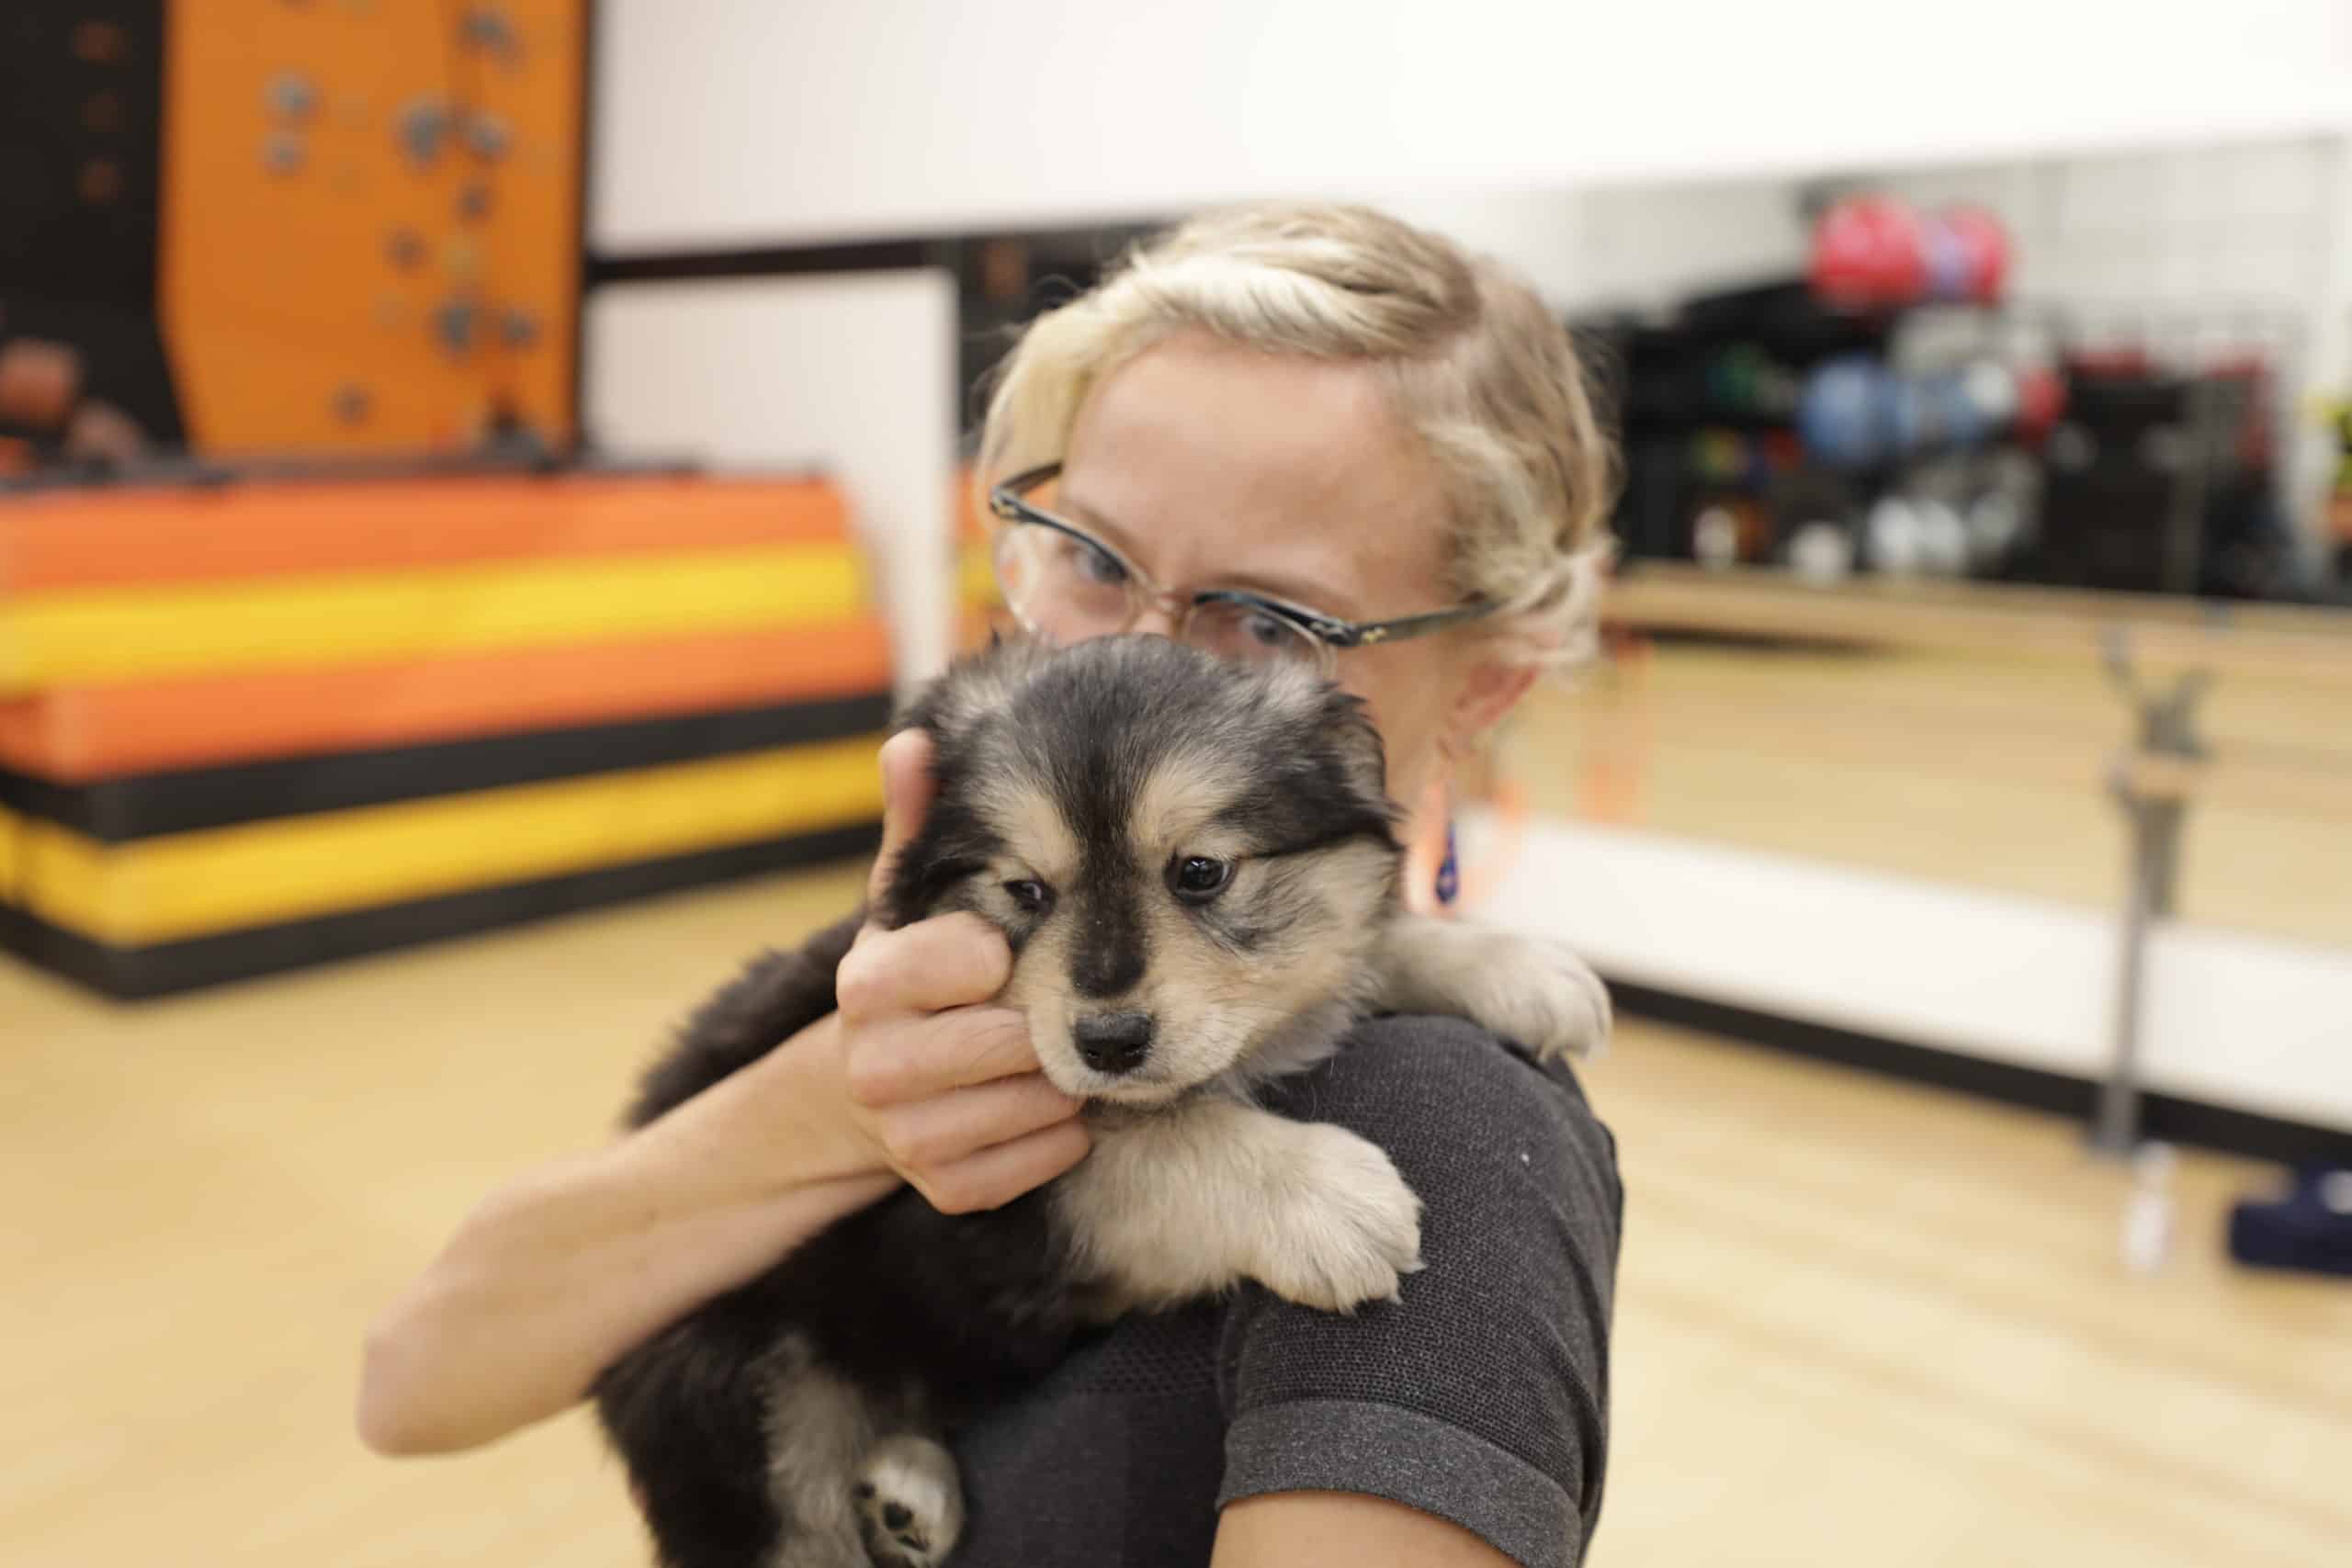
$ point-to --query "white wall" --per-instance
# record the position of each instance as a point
(854, 375)
(733, 121)
(1647, 247)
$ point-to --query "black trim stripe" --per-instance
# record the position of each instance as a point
(583, 217)
(168, 968)
(771, 261)
(2166, 1116)
(143, 806)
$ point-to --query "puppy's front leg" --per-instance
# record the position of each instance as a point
(1182, 1203)
(1534, 993)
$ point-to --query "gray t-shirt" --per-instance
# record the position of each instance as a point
(1483, 1397)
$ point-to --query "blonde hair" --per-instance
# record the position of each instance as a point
(1476, 368)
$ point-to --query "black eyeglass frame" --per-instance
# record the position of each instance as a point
(1005, 501)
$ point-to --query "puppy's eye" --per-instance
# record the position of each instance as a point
(1030, 897)
(1196, 879)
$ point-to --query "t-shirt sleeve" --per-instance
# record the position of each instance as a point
(1481, 1397)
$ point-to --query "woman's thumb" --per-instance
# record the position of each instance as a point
(907, 790)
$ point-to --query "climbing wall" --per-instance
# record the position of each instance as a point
(369, 220)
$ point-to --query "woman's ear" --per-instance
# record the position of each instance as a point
(1491, 690)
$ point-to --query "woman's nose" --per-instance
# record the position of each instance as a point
(1157, 620)
(1158, 614)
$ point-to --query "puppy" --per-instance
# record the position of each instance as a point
(1196, 869)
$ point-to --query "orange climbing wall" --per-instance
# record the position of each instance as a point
(254, 726)
(371, 225)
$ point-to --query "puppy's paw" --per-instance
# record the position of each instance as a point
(1540, 996)
(1346, 1225)
(909, 1503)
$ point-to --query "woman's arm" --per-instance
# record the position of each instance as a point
(555, 1276)
(1343, 1529)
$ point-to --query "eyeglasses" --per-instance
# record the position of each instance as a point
(1065, 585)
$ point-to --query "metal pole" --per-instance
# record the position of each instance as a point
(2117, 1129)
(2166, 727)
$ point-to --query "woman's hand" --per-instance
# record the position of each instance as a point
(942, 1085)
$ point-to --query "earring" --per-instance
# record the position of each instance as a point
(1449, 870)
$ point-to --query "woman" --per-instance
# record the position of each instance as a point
(1270, 410)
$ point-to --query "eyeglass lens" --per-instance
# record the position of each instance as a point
(1067, 589)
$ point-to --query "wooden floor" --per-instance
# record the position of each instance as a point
(1858, 1324)
(1978, 771)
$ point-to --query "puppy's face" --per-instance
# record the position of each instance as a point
(1186, 858)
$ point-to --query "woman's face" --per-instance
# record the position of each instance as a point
(1211, 466)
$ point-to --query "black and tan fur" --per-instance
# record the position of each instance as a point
(796, 1422)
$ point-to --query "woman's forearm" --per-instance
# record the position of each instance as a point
(557, 1275)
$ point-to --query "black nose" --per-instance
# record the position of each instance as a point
(1114, 1041)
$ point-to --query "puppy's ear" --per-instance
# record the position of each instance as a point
(1342, 725)
(972, 688)
(1358, 754)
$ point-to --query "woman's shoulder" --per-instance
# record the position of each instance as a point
(1482, 1395)
(1516, 1174)
(1423, 1086)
